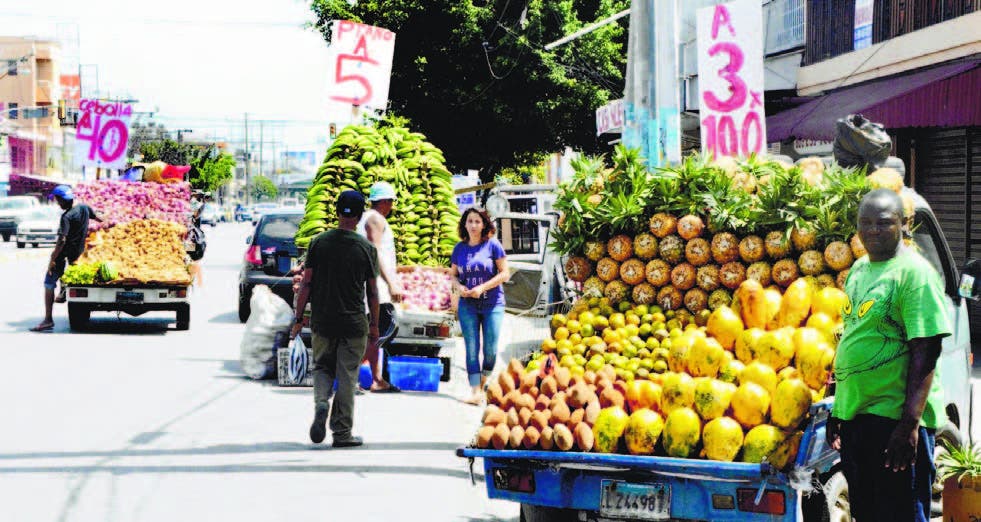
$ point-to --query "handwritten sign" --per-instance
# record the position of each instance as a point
(730, 78)
(102, 135)
(360, 60)
(609, 117)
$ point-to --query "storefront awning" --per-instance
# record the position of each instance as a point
(945, 96)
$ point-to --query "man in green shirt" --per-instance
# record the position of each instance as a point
(888, 398)
(339, 273)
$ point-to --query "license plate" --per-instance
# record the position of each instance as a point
(636, 501)
(129, 297)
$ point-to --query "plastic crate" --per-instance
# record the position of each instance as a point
(415, 373)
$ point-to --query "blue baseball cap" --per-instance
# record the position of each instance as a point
(62, 191)
(350, 203)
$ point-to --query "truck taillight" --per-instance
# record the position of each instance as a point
(78, 293)
(517, 480)
(773, 501)
(252, 256)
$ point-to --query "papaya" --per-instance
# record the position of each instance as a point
(608, 429)
(643, 431)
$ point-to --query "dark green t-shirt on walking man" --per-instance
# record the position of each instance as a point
(342, 262)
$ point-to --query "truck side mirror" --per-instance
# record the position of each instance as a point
(970, 286)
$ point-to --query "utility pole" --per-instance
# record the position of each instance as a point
(261, 143)
(180, 134)
(248, 196)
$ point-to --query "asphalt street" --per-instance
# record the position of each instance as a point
(135, 421)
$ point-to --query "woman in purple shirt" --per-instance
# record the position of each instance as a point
(481, 267)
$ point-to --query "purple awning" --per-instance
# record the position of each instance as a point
(945, 96)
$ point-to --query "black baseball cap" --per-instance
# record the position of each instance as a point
(350, 203)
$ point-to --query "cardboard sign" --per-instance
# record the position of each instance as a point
(102, 136)
(360, 61)
(609, 118)
(730, 78)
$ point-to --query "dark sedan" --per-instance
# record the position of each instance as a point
(270, 255)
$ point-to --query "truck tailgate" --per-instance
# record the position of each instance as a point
(426, 325)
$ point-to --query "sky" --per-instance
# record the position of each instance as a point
(197, 64)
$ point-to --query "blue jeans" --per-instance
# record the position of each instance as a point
(877, 493)
(475, 319)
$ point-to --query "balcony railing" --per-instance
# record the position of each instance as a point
(831, 23)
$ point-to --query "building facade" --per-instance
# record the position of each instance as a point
(29, 93)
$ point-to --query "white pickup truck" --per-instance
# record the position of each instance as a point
(131, 299)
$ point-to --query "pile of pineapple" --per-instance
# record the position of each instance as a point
(710, 311)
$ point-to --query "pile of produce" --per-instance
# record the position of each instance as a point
(425, 217)
(144, 250)
(123, 201)
(426, 289)
(709, 317)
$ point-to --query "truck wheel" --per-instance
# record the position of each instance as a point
(184, 317)
(829, 504)
(78, 316)
(21, 244)
(530, 513)
(244, 309)
(34, 245)
(6, 237)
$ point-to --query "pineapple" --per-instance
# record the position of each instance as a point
(696, 300)
(725, 247)
(594, 199)
(616, 292)
(607, 269)
(698, 251)
(593, 287)
(839, 256)
(732, 274)
(670, 298)
(578, 268)
(842, 277)
(760, 271)
(812, 171)
(803, 238)
(672, 249)
(826, 280)
(858, 249)
(785, 272)
(645, 246)
(595, 250)
(751, 249)
(683, 276)
(645, 294)
(777, 246)
(620, 247)
(690, 227)
(663, 224)
(719, 298)
(658, 273)
(886, 178)
(811, 263)
(632, 272)
(707, 277)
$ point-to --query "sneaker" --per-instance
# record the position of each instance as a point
(318, 430)
(350, 442)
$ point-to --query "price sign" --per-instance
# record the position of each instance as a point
(102, 135)
(730, 78)
(609, 118)
(360, 61)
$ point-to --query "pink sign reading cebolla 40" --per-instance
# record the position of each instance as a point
(103, 133)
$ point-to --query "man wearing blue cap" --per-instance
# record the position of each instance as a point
(339, 273)
(374, 227)
(72, 232)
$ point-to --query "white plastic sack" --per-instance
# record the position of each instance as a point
(270, 314)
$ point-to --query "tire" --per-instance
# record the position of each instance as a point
(830, 504)
(34, 245)
(184, 317)
(22, 245)
(78, 316)
(6, 237)
(244, 308)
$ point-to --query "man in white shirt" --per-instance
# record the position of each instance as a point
(374, 226)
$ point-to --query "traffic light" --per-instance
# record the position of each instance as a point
(333, 131)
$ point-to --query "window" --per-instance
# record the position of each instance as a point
(930, 244)
(278, 228)
(11, 67)
(13, 111)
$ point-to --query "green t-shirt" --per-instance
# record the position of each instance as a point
(342, 262)
(889, 303)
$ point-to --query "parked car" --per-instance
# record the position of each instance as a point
(12, 210)
(39, 226)
(289, 203)
(270, 255)
(261, 208)
(243, 213)
(210, 214)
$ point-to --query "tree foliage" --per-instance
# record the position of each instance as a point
(262, 188)
(210, 168)
(475, 78)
